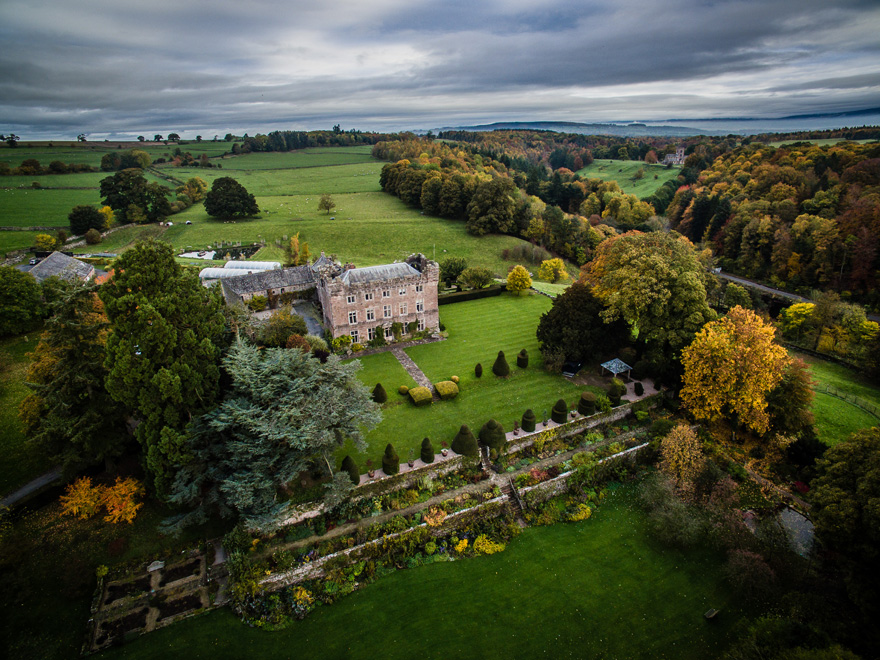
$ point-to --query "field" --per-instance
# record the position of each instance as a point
(837, 419)
(477, 330)
(597, 589)
(623, 172)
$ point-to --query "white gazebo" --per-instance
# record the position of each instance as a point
(617, 366)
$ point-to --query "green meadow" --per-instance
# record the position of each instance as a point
(624, 172)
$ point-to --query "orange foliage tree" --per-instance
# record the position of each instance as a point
(81, 499)
(682, 456)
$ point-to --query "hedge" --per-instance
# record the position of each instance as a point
(587, 404)
(462, 296)
(478, 370)
(492, 435)
(501, 368)
(421, 396)
(446, 389)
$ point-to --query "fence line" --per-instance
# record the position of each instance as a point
(850, 398)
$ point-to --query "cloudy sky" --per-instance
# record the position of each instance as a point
(115, 68)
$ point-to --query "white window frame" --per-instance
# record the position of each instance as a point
(420, 288)
(371, 314)
(420, 305)
(352, 317)
(388, 333)
(386, 293)
(355, 336)
(368, 296)
(421, 324)
(403, 309)
(386, 311)
(351, 299)
(371, 334)
(402, 291)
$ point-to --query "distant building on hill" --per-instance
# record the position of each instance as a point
(675, 159)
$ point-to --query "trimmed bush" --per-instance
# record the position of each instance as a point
(390, 461)
(348, 465)
(455, 379)
(465, 443)
(559, 412)
(421, 396)
(501, 368)
(379, 394)
(478, 370)
(528, 421)
(492, 436)
(587, 404)
(93, 236)
(522, 359)
(403, 390)
(638, 388)
(446, 389)
(427, 451)
(616, 390)
(640, 370)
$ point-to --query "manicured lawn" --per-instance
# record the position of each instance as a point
(623, 172)
(596, 589)
(40, 208)
(21, 463)
(477, 329)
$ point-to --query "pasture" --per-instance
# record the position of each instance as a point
(624, 171)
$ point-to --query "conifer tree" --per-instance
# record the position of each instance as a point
(501, 368)
(465, 443)
(427, 452)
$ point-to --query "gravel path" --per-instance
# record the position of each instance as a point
(43, 480)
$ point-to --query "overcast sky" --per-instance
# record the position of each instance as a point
(114, 68)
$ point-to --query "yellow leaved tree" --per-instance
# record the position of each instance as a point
(682, 456)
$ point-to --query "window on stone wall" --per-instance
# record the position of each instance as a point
(368, 296)
(351, 300)
(421, 324)
(371, 334)
(403, 311)
(371, 315)
(355, 336)
(386, 311)
(386, 293)
(402, 291)
(420, 288)
(420, 306)
(388, 334)
(352, 317)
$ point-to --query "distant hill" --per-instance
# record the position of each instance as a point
(620, 130)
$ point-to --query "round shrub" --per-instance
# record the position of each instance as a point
(421, 396)
(348, 465)
(390, 461)
(638, 388)
(616, 390)
(640, 370)
(403, 390)
(93, 236)
(379, 394)
(501, 368)
(465, 443)
(603, 404)
(478, 370)
(528, 421)
(492, 436)
(446, 389)
(559, 412)
(522, 359)
(427, 451)
(441, 327)
(660, 428)
(587, 404)
(455, 379)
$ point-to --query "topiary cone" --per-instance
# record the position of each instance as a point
(492, 435)
(478, 370)
(390, 461)
(587, 404)
(465, 443)
(348, 465)
(522, 359)
(427, 452)
(559, 413)
(501, 368)
(379, 394)
(528, 421)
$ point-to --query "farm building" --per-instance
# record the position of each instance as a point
(64, 267)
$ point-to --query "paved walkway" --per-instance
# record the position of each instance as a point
(413, 370)
(51, 476)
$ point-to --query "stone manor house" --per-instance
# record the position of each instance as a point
(357, 302)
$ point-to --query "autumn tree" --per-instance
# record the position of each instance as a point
(553, 270)
(518, 280)
(682, 456)
(162, 360)
(284, 410)
(491, 208)
(133, 198)
(730, 368)
(121, 500)
(45, 242)
(655, 282)
(326, 203)
(278, 328)
(194, 188)
(229, 199)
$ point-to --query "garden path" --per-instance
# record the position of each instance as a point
(49, 477)
(413, 370)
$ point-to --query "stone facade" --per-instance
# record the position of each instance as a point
(358, 302)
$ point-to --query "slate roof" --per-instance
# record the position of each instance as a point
(62, 266)
(616, 366)
(384, 273)
(269, 279)
(323, 260)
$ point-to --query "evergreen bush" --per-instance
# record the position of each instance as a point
(421, 396)
(638, 388)
(587, 404)
(559, 412)
(465, 443)
(522, 359)
(379, 394)
(640, 370)
(390, 461)
(492, 436)
(501, 368)
(348, 465)
(403, 390)
(427, 451)
(528, 421)
(446, 389)
(616, 390)
(478, 370)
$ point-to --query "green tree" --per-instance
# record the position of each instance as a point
(20, 304)
(229, 199)
(284, 410)
(475, 277)
(518, 280)
(128, 188)
(491, 208)
(76, 423)
(195, 188)
(735, 295)
(85, 217)
(163, 364)
(655, 283)
(574, 326)
(280, 326)
(326, 203)
(451, 269)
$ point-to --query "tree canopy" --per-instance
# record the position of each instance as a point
(229, 199)
(20, 302)
(284, 409)
(133, 198)
(163, 364)
(85, 217)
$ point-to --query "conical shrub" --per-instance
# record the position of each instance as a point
(638, 388)
(522, 359)
(616, 390)
(465, 443)
(348, 465)
(478, 370)
(559, 413)
(501, 368)
(390, 461)
(528, 421)
(379, 394)
(492, 436)
(587, 404)
(427, 452)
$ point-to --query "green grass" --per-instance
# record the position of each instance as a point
(623, 172)
(549, 288)
(21, 462)
(17, 240)
(477, 329)
(320, 157)
(597, 589)
(40, 208)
